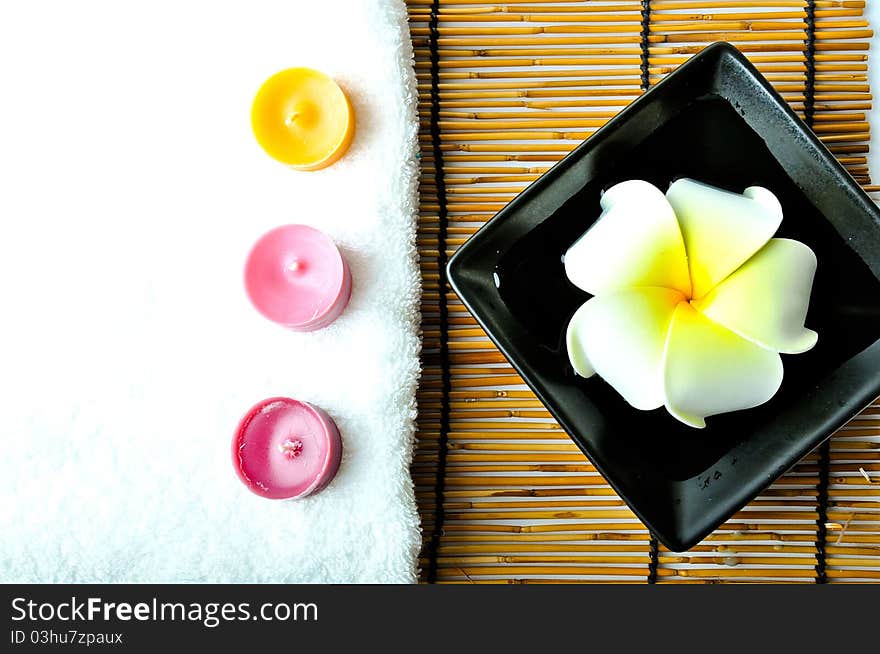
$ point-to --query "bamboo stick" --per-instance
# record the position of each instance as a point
(476, 116)
(747, 562)
(850, 102)
(516, 147)
(548, 123)
(526, 36)
(592, 24)
(583, 491)
(656, 56)
(533, 447)
(478, 549)
(602, 513)
(484, 425)
(472, 560)
(552, 13)
(791, 517)
(468, 459)
(518, 86)
(748, 30)
(612, 537)
(480, 404)
(530, 482)
(453, 470)
(467, 395)
(544, 528)
(472, 571)
(529, 581)
(664, 5)
(590, 502)
(499, 481)
(680, 52)
(778, 572)
(775, 528)
(511, 435)
(549, 14)
(659, 14)
(505, 414)
(463, 550)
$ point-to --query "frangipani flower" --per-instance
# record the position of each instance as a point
(693, 298)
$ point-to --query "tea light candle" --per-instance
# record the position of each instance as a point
(286, 449)
(296, 276)
(302, 118)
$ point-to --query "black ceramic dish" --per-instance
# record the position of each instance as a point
(718, 120)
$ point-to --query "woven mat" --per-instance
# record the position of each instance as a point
(504, 495)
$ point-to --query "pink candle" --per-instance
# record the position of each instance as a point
(285, 449)
(296, 276)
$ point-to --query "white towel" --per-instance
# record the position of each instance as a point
(132, 189)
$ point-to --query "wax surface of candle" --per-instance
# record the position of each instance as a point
(302, 118)
(284, 449)
(296, 276)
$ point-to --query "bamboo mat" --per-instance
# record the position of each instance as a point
(505, 90)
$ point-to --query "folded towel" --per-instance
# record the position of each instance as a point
(132, 191)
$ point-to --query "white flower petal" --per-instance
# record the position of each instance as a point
(721, 229)
(767, 298)
(635, 242)
(576, 341)
(621, 336)
(765, 197)
(707, 369)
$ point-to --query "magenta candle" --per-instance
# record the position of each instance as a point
(285, 449)
(296, 276)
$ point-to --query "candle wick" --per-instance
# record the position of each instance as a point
(291, 118)
(294, 265)
(291, 448)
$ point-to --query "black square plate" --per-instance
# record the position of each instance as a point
(718, 120)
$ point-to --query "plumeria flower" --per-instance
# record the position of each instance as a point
(693, 298)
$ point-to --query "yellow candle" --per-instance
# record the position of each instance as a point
(302, 118)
